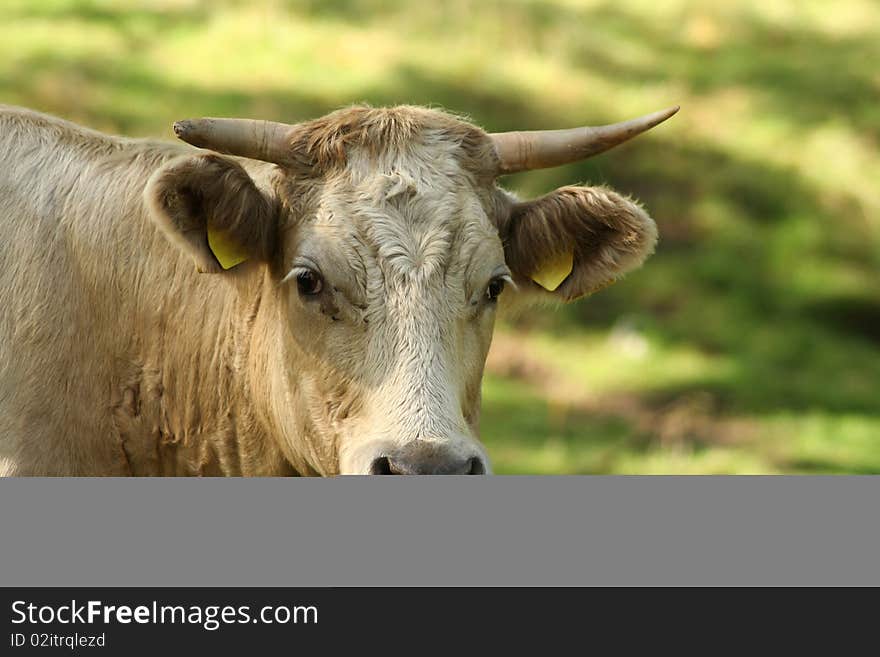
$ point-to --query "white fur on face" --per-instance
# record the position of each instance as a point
(398, 337)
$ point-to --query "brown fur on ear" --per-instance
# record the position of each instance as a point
(608, 234)
(189, 192)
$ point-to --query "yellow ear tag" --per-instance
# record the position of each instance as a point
(227, 252)
(552, 273)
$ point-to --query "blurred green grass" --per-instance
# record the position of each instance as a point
(750, 343)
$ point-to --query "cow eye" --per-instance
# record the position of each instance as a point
(496, 287)
(309, 283)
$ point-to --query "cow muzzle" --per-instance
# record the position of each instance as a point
(425, 458)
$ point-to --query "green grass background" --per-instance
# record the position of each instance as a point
(750, 343)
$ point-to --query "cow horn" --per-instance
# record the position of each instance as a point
(540, 149)
(260, 140)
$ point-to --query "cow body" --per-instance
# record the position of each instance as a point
(353, 337)
(116, 355)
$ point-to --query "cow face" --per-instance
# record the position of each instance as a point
(388, 247)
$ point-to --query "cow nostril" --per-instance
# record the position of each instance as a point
(381, 466)
(476, 467)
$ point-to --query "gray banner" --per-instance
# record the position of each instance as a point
(390, 531)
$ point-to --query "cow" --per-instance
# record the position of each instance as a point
(272, 299)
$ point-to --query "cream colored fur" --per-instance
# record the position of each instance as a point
(117, 357)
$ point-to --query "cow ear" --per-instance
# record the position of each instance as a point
(575, 241)
(210, 207)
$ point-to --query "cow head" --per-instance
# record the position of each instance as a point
(388, 247)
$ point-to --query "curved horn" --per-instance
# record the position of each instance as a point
(260, 140)
(540, 149)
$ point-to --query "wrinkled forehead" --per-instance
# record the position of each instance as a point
(413, 207)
